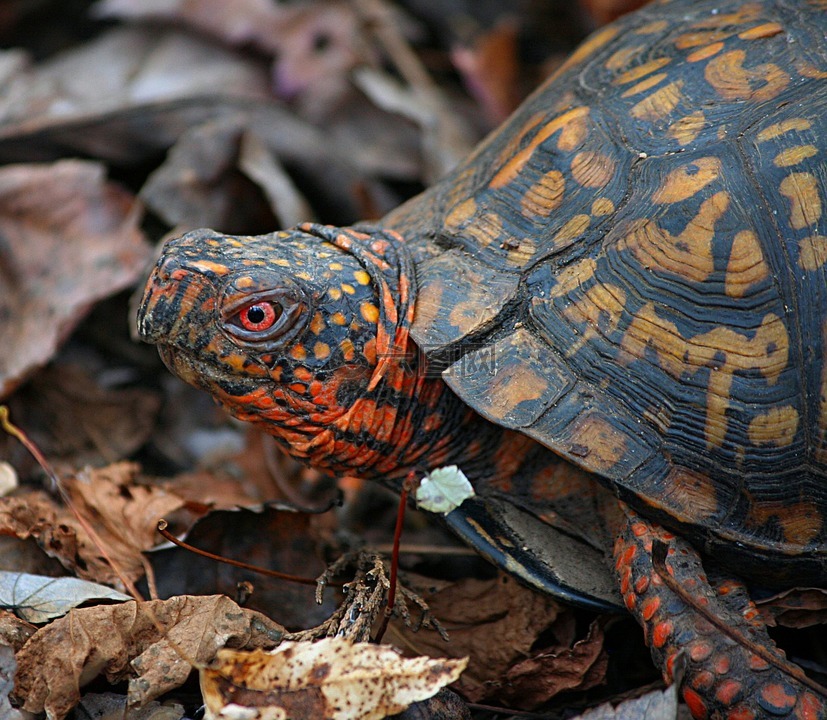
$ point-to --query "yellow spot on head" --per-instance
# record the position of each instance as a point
(336, 266)
(321, 350)
(334, 293)
(317, 324)
(338, 319)
(281, 262)
(370, 312)
(362, 277)
(348, 288)
(209, 266)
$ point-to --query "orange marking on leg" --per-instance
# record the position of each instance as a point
(776, 695)
(650, 607)
(721, 664)
(661, 634)
(695, 703)
(700, 651)
(642, 584)
(810, 707)
(740, 713)
(728, 692)
(703, 680)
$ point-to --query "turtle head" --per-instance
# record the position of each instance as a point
(287, 330)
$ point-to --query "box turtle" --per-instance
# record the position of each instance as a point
(613, 313)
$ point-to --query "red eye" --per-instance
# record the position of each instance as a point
(260, 316)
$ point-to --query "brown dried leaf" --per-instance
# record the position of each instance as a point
(14, 632)
(540, 677)
(136, 641)
(70, 238)
(124, 515)
(796, 608)
(478, 615)
(332, 679)
(490, 70)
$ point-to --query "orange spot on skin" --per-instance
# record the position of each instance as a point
(298, 388)
(695, 703)
(348, 351)
(321, 350)
(370, 312)
(338, 319)
(649, 608)
(298, 352)
(642, 584)
(721, 664)
(348, 288)
(728, 692)
(776, 695)
(661, 634)
(700, 651)
(703, 680)
(369, 351)
(317, 324)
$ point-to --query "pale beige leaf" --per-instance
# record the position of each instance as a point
(332, 679)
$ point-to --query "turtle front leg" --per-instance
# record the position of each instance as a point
(723, 679)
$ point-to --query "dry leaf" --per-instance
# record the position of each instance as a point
(494, 622)
(332, 679)
(796, 608)
(543, 675)
(124, 515)
(135, 641)
(109, 706)
(14, 632)
(490, 70)
(70, 238)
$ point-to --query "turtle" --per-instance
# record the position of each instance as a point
(613, 310)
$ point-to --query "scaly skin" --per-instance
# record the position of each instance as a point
(723, 679)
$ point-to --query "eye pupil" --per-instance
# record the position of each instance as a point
(255, 314)
(260, 316)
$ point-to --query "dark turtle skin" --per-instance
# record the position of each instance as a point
(613, 314)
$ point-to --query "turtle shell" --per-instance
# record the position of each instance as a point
(633, 271)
